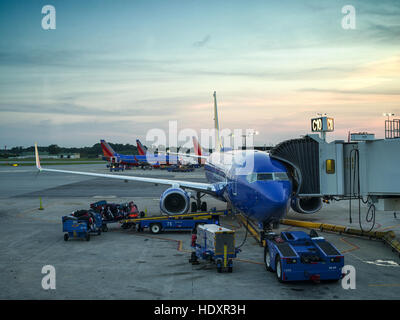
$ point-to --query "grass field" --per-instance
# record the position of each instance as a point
(31, 161)
(49, 159)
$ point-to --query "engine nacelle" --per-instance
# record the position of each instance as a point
(306, 205)
(175, 201)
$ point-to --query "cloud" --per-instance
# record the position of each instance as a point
(383, 33)
(203, 42)
(146, 107)
(350, 92)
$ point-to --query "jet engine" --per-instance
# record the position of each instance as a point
(306, 205)
(175, 201)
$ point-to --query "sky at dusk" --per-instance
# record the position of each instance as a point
(115, 69)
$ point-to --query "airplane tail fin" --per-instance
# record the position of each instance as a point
(37, 158)
(197, 147)
(198, 150)
(141, 149)
(107, 150)
(216, 125)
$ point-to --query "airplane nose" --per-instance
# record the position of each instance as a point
(277, 195)
(274, 200)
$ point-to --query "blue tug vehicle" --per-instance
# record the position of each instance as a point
(297, 256)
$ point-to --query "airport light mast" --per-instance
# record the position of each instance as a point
(253, 133)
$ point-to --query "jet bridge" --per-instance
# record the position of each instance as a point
(364, 168)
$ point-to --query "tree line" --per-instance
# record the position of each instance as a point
(85, 152)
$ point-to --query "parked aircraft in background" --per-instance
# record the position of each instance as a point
(183, 159)
(198, 150)
(135, 160)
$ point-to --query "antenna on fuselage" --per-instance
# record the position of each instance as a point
(216, 125)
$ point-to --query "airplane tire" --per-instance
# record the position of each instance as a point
(194, 207)
(203, 207)
(66, 237)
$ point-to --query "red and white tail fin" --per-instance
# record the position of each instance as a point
(197, 147)
(107, 150)
(141, 149)
(198, 150)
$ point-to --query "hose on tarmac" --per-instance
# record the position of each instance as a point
(371, 213)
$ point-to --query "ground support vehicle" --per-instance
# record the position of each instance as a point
(79, 228)
(180, 222)
(297, 256)
(215, 244)
(116, 168)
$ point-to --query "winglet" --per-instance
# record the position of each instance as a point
(37, 158)
(218, 145)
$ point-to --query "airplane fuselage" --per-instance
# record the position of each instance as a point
(137, 160)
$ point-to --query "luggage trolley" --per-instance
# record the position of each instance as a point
(79, 228)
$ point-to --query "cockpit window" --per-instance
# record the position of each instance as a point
(281, 176)
(267, 176)
(252, 177)
(264, 176)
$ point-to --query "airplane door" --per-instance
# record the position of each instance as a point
(233, 181)
(234, 187)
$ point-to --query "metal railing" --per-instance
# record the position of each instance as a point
(392, 129)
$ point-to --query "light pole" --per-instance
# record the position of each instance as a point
(388, 115)
(322, 133)
(388, 125)
(253, 133)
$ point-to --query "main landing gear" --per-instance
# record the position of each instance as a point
(199, 205)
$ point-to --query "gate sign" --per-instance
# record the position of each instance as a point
(322, 124)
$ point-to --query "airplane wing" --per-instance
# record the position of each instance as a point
(212, 189)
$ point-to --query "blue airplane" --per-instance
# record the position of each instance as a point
(145, 159)
(249, 181)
